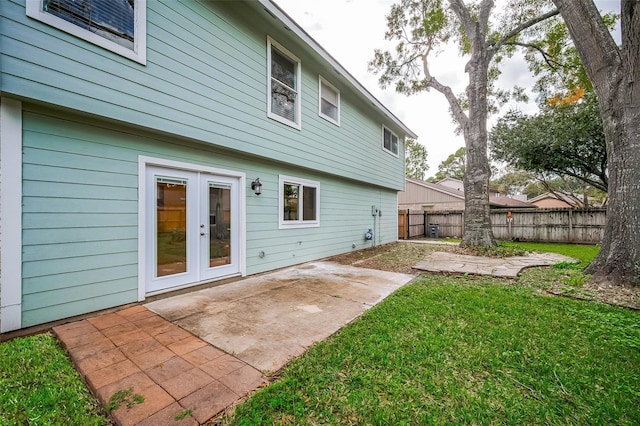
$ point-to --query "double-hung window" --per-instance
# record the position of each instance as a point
(299, 202)
(389, 141)
(116, 25)
(283, 85)
(329, 107)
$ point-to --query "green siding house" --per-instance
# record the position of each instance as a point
(148, 146)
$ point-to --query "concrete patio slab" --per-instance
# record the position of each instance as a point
(267, 320)
(508, 267)
(241, 330)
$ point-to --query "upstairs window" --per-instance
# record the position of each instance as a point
(389, 141)
(117, 25)
(284, 85)
(299, 203)
(329, 107)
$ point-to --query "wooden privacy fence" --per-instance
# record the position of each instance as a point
(583, 225)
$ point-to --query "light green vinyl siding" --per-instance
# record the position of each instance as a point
(80, 214)
(205, 80)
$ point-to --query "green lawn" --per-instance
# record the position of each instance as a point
(583, 252)
(443, 350)
(39, 386)
(446, 351)
(467, 350)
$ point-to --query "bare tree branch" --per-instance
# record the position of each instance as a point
(558, 193)
(522, 27)
(553, 64)
(461, 11)
(454, 103)
(485, 11)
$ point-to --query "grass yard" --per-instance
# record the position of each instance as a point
(583, 252)
(443, 350)
(466, 350)
(39, 386)
(456, 351)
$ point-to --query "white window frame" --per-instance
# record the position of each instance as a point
(139, 52)
(323, 82)
(297, 124)
(392, 134)
(300, 223)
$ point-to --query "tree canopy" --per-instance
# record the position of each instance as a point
(514, 182)
(565, 139)
(419, 29)
(415, 158)
(452, 167)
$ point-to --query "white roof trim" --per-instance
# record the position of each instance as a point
(275, 10)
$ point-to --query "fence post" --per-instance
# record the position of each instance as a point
(408, 224)
(425, 223)
(570, 236)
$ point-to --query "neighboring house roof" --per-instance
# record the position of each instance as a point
(493, 201)
(274, 10)
(560, 197)
(508, 202)
(458, 184)
(451, 183)
(438, 187)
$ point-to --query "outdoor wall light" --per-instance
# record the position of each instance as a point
(256, 186)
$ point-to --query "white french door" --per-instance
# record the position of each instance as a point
(192, 227)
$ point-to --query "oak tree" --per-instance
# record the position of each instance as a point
(419, 28)
(415, 157)
(453, 166)
(614, 72)
(563, 139)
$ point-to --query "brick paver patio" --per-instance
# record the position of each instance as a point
(172, 369)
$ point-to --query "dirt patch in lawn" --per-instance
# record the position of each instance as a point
(624, 296)
(393, 257)
(402, 256)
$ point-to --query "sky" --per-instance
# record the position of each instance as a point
(350, 30)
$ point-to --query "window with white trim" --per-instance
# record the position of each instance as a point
(329, 103)
(116, 25)
(299, 202)
(389, 141)
(283, 85)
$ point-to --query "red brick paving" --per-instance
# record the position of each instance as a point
(177, 373)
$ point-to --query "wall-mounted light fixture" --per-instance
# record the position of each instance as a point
(256, 186)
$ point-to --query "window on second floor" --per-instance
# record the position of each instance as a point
(329, 107)
(284, 85)
(389, 141)
(116, 25)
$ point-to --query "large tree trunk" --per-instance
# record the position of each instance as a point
(615, 75)
(477, 220)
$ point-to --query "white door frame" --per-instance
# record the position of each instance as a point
(11, 214)
(207, 272)
(143, 163)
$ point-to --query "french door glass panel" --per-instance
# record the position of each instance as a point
(171, 226)
(192, 233)
(219, 227)
(219, 224)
